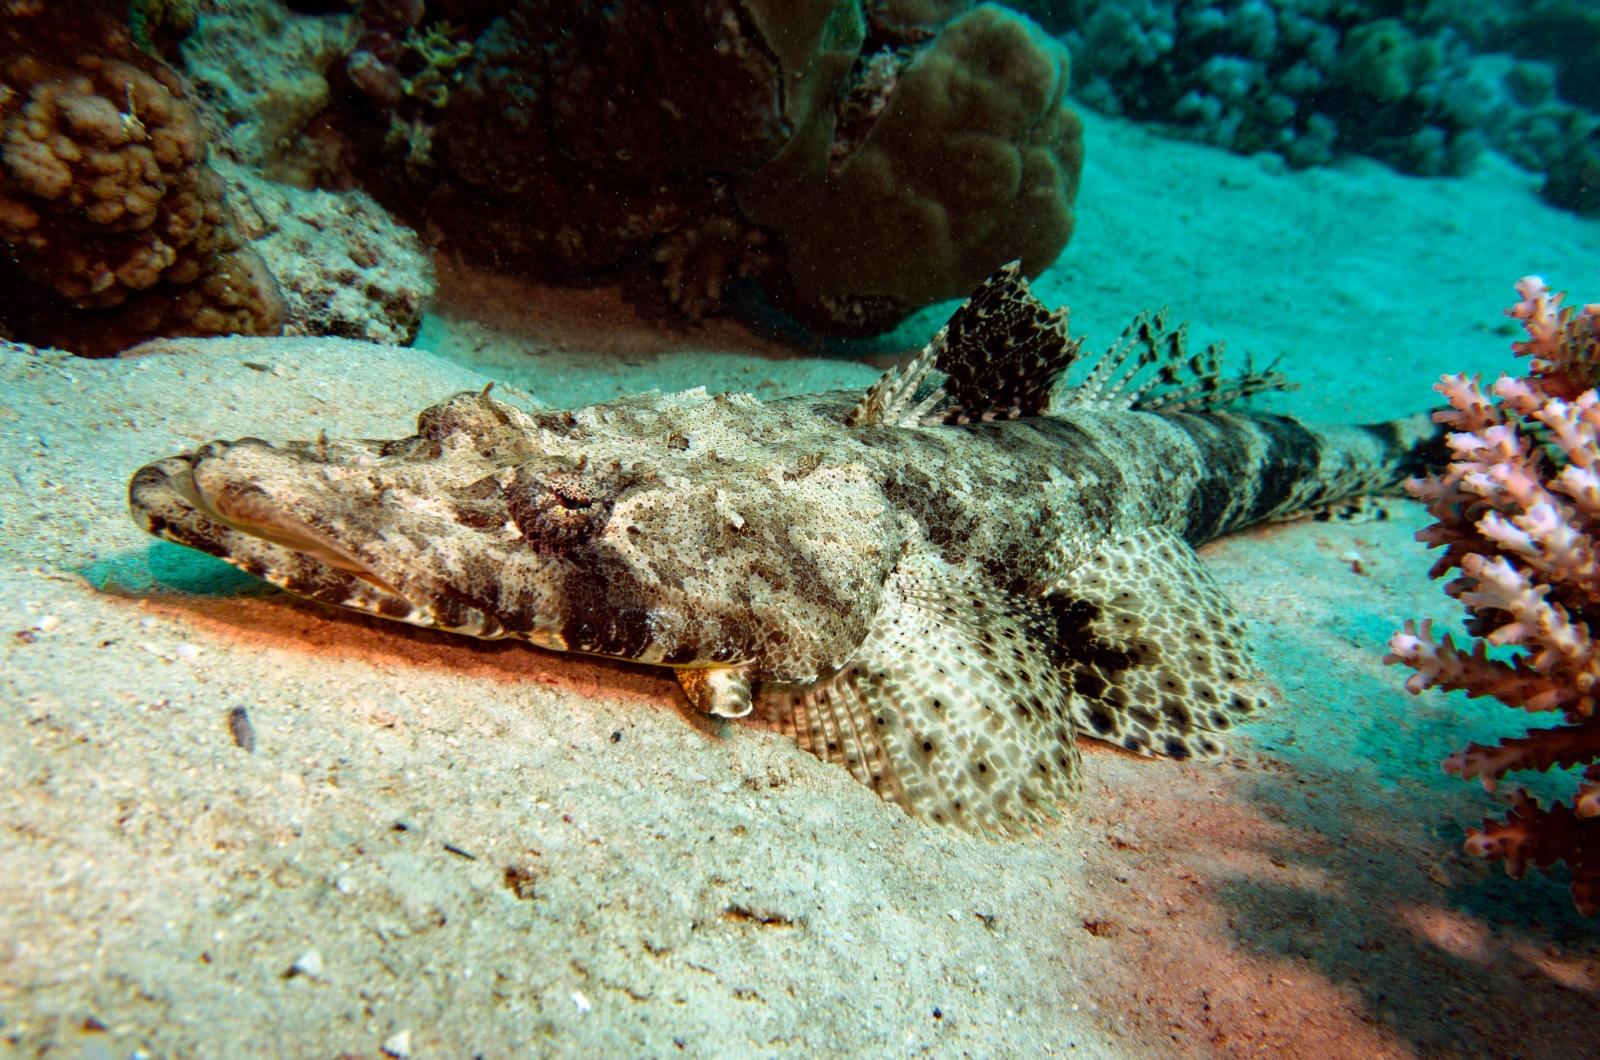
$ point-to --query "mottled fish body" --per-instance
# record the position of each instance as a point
(937, 586)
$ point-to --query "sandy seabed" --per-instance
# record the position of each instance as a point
(480, 849)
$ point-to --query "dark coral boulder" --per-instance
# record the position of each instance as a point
(856, 160)
(943, 162)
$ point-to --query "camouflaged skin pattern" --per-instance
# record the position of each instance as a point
(685, 529)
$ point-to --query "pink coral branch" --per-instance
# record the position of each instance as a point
(1518, 512)
(1442, 665)
(1563, 746)
(1521, 396)
(1542, 627)
(1470, 409)
(1563, 343)
(1587, 801)
(1532, 835)
(1539, 312)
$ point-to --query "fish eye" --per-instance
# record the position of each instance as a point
(556, 511)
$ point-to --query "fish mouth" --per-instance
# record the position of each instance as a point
(193, 500)
(252, 513)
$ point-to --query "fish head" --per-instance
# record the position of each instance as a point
(675, 529)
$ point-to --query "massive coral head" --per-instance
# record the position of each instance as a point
(1518, 514)
(855, 159)
(116, 228)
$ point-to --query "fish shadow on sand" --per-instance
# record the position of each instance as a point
(161, 567)
(1256, 908)
(234, 609)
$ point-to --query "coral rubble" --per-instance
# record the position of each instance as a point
(116, 227)
(1518, 514)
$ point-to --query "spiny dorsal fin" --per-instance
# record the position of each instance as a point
(949, 708)
(1002, 351)
(1153, 652)
(888, 401)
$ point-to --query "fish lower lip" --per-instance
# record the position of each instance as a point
(185, 500)
(254, 515)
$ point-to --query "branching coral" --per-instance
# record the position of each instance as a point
(1518, 514)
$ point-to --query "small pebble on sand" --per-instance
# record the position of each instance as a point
(309, 965)
(244, 734)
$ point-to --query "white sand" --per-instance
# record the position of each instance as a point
(706, 888)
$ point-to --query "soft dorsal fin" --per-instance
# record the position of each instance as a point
(889, 401)
(1180, 382)
(950, 708)
(1153, 652)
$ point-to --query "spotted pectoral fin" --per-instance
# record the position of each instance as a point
(949, 708)
(1153, 653)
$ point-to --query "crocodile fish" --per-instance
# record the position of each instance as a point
(939, 584)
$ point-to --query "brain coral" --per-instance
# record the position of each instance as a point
(116, 227)
(941, 163)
